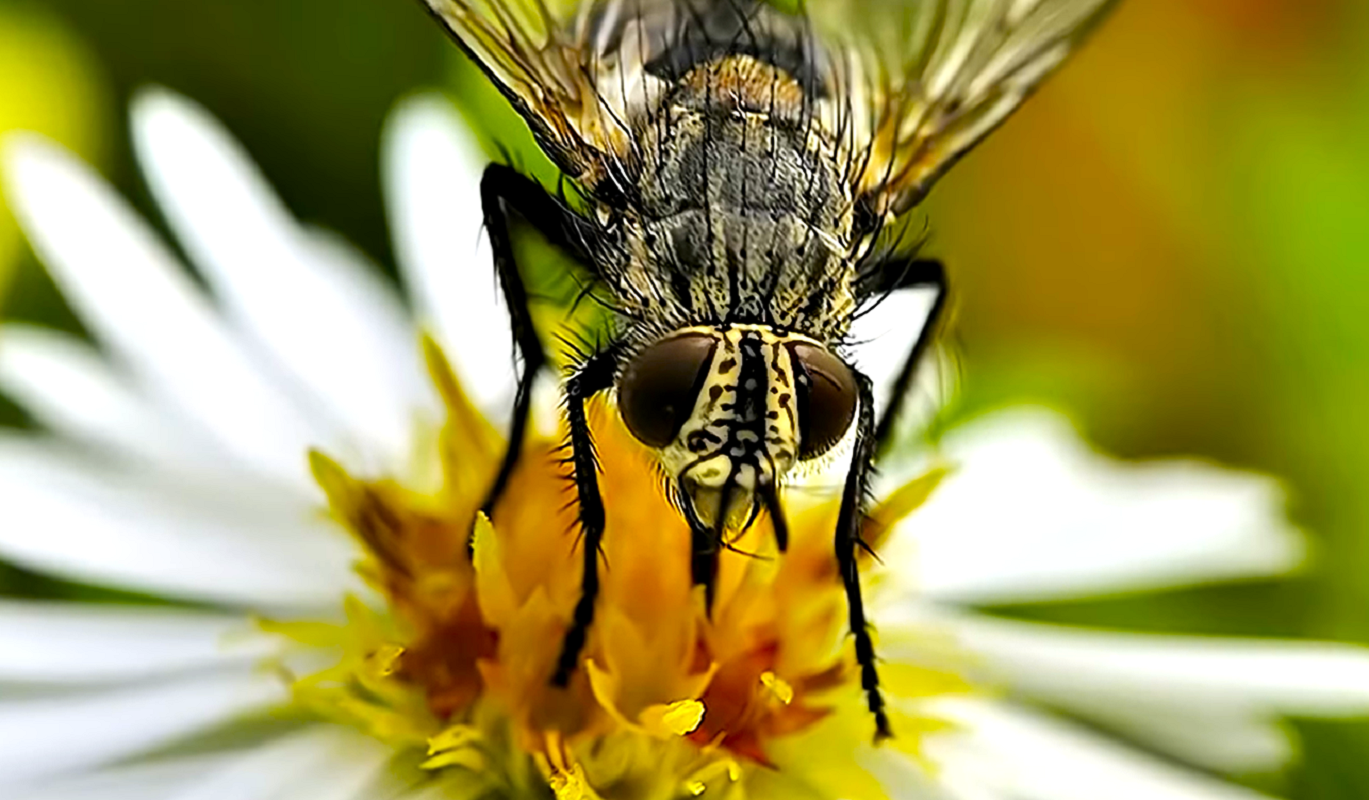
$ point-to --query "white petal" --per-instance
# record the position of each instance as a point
(432, 171)
(1212, 736)
(1211, 701)
(902, 778)
(78, 642)
(151, 533)
(964, 787)
(1290, 677)
(46, 736)
(1031, 757)
(356, 762)
(324, 762)
(883, 336)
(70, 388)
(135, 297)
(394, 330)
(156, 780)
(333, 325)
(1032, 514)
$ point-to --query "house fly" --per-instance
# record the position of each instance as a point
(739, 165)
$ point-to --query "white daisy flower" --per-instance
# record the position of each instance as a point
(223, 441)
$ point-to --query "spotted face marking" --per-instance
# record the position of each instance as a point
(732, 421)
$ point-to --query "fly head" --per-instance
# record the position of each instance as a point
(731, 410)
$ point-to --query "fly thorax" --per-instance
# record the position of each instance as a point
(744, 214)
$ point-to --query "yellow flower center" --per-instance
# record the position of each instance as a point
(668, 701)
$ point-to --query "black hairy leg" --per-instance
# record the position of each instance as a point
(872, 437)
(848, 543)
(594, 375)
(503, 193)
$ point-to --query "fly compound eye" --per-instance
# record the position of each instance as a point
(826, 398)
(659, 387)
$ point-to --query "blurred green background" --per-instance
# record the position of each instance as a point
(1171, 242)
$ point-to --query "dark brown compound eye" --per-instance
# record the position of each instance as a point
(826, 398)
(659, 386)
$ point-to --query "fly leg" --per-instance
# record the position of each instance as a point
(591, 377)
(503, 191)
(848, 543)
(871, 438)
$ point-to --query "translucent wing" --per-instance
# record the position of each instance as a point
(904, 87)
(926, 80)
(537, 54)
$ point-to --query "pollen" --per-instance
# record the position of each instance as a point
(451, 655)
(778, 687)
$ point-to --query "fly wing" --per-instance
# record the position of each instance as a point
(538, 56)
(577, 70)
(908, 86)
(923, 81)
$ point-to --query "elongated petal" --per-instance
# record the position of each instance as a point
(79, 642)
(142, 531)
(902, 778)
(323, 762)
(1208, 700)
(69, 387)
(46, 736)
(157, 780)
(882, 338)
(1212, 736)
(134, 296)
(1297, 678)
(432, 171)
(327, 319)
(1028, 756)
(1032, 514)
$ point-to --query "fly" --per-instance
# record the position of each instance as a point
(739, 163)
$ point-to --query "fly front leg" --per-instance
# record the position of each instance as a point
(503, 193)
(593, 376)
(872, 437)
(848, 542)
